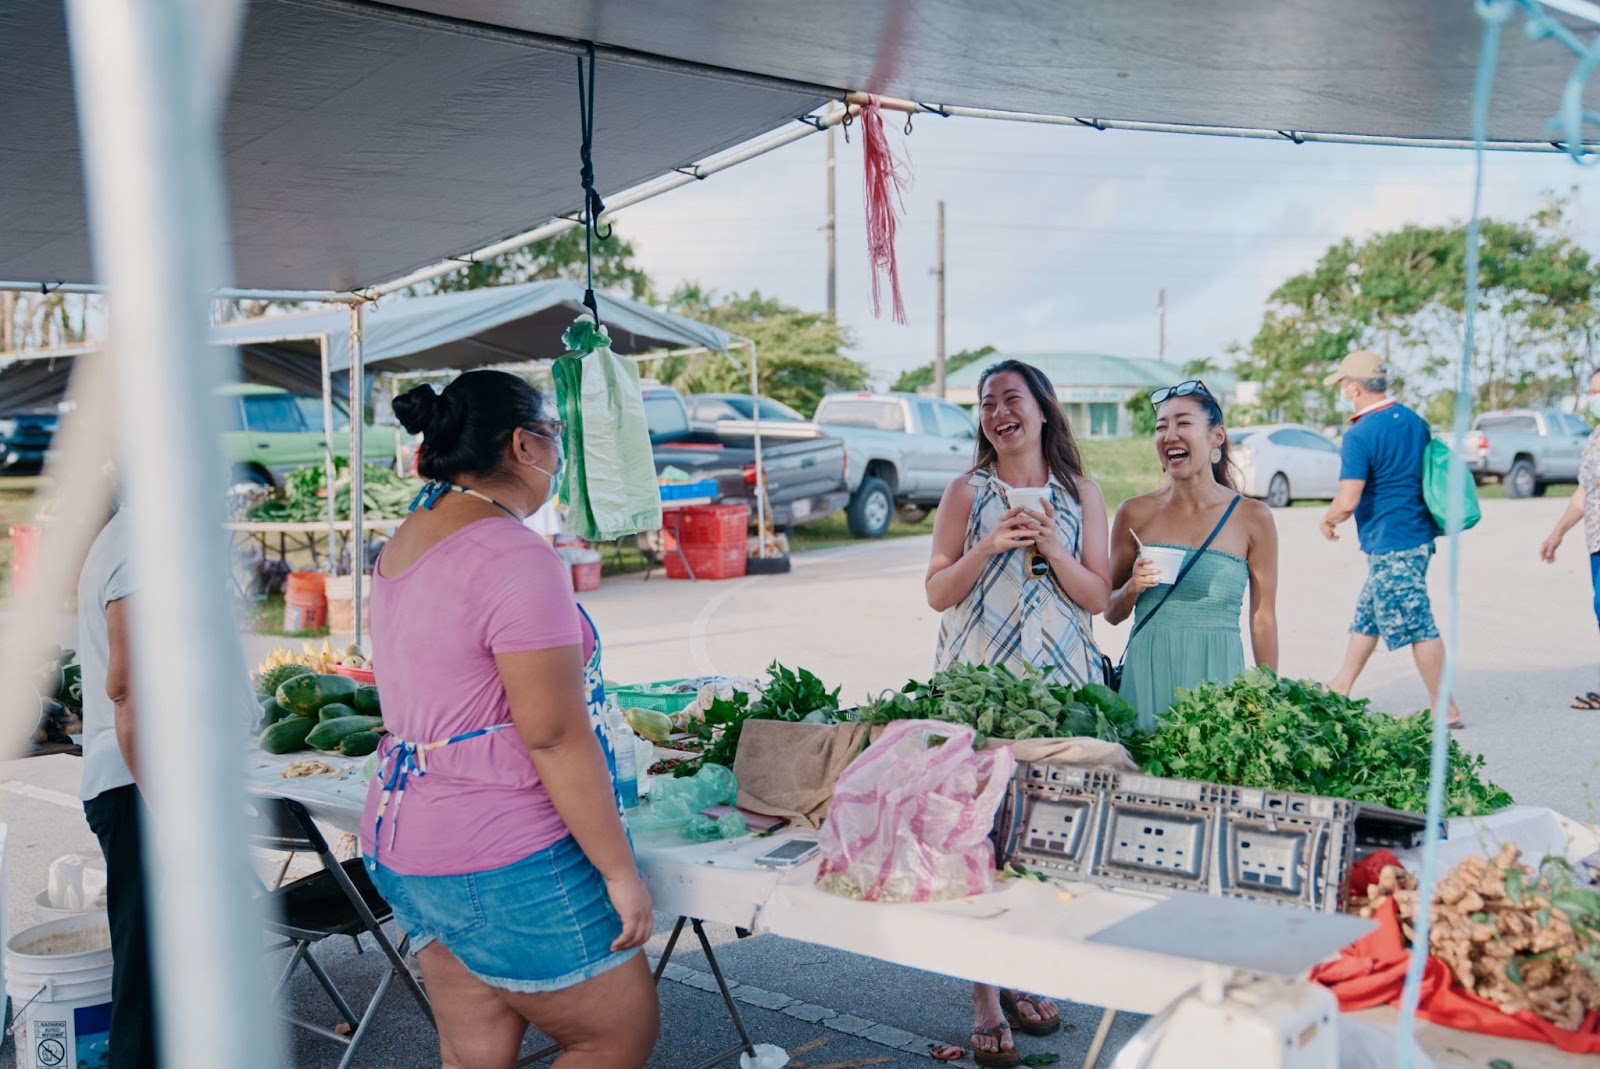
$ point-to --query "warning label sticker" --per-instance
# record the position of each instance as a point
(50, 1046)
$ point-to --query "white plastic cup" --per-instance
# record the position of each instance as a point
(1031, 498)
(1168, 561)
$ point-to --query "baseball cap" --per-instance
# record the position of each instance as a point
(1361, 364)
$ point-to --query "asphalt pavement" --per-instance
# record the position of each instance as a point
(856, 617)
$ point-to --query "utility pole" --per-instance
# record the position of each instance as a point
(1161, 318)
(938, 271)
(833, 236)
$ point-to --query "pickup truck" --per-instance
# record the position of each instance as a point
(1526, 449)
(805, 477)
(25, 439)
(904, 449)
(269, 432)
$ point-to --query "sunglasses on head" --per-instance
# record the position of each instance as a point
(1183, 389)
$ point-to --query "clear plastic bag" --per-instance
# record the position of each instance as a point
(911, 817)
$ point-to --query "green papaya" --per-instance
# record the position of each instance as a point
(271, 713)
(330, 733)
(366, 701)
(359, 743)
(265, 700)
(306, 695)
(334, 710)
(287, 735)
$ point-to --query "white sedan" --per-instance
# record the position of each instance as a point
(1285, 462)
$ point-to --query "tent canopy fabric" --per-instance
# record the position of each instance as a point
(363, 140)
(356, 148)
(459, 331)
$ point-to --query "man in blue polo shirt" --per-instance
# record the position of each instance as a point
(1380, 484)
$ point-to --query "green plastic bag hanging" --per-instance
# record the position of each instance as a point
(1437, 490)
(612, 490)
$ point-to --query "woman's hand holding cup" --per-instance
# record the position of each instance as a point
(1146, 574)
(1014, 531)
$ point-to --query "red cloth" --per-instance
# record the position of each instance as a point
(1372, 972)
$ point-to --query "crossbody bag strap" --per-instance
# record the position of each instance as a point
(1188, 564)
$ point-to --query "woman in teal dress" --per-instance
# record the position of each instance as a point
(1195, 637)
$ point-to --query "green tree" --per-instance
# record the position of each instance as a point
(922, 377)
(801, 355)
(1402, 293)
(561, 256)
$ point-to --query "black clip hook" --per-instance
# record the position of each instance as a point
(908, 124)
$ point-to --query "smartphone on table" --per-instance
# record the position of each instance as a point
(789, 853)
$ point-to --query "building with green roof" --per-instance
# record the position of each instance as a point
(1094, 388)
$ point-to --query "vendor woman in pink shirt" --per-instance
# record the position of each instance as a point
(492, 827)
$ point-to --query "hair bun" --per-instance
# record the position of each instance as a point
(417, 408)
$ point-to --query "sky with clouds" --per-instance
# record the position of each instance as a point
(1057, 239)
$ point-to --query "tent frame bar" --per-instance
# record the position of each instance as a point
(566, 46)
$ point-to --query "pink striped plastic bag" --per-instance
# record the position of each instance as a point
(911, 817)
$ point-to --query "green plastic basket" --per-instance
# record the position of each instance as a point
(653, 696)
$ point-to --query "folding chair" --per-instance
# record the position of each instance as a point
(340, 900)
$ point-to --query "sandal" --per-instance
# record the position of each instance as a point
(1011, 1002)
(946, 1052)
(997, 1059)
(1457, 725)
(1590, 700)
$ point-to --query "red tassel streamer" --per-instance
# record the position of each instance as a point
(886, 183)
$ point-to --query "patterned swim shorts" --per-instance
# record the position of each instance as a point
(1394, 601)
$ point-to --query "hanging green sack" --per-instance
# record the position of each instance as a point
(614, 492)
(1436, 491)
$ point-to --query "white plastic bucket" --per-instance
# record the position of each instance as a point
(46, 912)
(58, 975)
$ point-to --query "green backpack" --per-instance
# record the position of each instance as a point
(1436, 488)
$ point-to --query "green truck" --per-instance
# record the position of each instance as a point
(270, 432)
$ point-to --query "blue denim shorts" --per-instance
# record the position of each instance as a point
(543, 923)
(1394, 603)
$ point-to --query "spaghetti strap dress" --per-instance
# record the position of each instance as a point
(1196, 639)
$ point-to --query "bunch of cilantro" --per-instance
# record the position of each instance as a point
(1262, 730)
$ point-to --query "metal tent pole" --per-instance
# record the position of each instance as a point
(358, 423)
(149, 79)
(329, 468)
(761, 469)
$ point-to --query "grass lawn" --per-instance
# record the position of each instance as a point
(1124, 467)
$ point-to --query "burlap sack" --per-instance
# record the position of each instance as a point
(788, 770)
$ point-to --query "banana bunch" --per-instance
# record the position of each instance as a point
(318, 660)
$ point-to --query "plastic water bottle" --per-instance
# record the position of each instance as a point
(622, 751)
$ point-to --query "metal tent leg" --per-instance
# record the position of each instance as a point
(744, 1046)
(1101, 1034)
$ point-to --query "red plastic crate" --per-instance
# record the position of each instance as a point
(708, 562)
(713, 525)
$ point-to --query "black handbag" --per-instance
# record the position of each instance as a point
(1112, 673)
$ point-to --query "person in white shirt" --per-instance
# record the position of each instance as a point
(112, 803)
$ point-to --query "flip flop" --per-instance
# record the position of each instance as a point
(1457, 725)
(1010, 1004)
(946, 1052)
(995, 1059)
(1590, 700)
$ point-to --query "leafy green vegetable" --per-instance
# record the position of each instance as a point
(1042, 1058)
(793, 695)
(1262, 730)
(995, 702)
(304, 497)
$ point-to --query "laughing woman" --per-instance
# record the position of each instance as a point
(1018, 569)
(1196, 638)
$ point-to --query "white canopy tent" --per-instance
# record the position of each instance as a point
(322, 147)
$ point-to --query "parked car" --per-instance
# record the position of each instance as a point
(734, 412)
(1526, 449)
(270, 432)
(1285, 462)
(25, 439)
(804, 477)
(904, 450)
